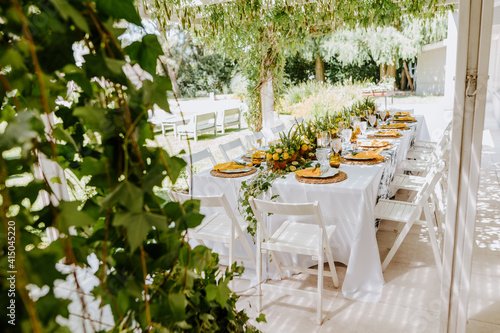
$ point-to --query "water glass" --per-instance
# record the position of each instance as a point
(322, 155)
(372, 119)
(362, 127)
(323, 139)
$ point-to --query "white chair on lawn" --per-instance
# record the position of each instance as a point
(231, 145)
(293, 237)
(227, 118)
(226, 228)
(408, 213)
(198, 157)
(253, 139)
(200, 124)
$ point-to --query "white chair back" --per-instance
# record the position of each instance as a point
(252, 139)
(229, 146)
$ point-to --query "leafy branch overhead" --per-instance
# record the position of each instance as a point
(85, 122)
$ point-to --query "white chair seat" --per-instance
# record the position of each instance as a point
(395, 210)
(301, 238)
(217, 228)
(407, 182)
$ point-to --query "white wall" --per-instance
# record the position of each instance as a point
(431, 65)
(494, 69)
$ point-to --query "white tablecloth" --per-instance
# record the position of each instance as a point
(348, 204)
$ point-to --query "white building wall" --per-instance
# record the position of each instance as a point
(431, 65)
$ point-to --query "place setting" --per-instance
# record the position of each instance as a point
(369, 157)
(232, 170)
(322, 172)
(373, 144)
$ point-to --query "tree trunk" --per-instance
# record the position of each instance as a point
(391, 71)
(320, 69)
(267, 102)
(402, 83)
(383, 71)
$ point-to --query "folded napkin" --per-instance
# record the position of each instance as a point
(311, 172)
(373, 143)
(401, 113)
(389, 133)
(228, 166)
(258, 154)
(367, 154)
(394, 126)
(406, 118)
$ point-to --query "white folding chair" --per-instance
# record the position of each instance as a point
(226, 228)
(277, 130)
(431, 144)
(227, 147)
(253, 139)
(425, 153)
(422, 167)
(294, 237)
(195, 158)
(408, 213)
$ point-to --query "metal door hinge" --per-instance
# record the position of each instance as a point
(471, 80)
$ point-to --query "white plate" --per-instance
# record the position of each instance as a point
(353, 158)
(245, 169)
(330, 173)
(250, 156)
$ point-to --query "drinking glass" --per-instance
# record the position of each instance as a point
(322, 156)
(372, 119)
(354, 121)
(346, 134)
(336, 145)
(383, 116)
(362, 127)
(323, 139)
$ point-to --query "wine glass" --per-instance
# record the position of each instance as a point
(383, 115)
(336, 145)
(322, 156)
(372, 119)
(362, 127)
(346, 134)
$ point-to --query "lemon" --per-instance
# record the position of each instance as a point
(286, 156)
(269, 156)
(276, 156)
(295, 163)
(304, 147)
(279, 150)
(292, 168)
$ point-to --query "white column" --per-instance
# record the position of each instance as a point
(451, 60)
(267, 102)
(474, 37)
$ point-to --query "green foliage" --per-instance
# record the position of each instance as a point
(149, 276)
(206, 73)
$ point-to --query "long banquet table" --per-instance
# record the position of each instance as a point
(348, 204)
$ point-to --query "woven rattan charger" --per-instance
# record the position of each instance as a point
(219, 174)
(404, 121)
(377, 160)
(340, 176)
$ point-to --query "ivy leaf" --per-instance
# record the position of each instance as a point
(70, 215)
(261, 318)
(177, 303)
(175, 165)
(66, 10)
(119, 9)
(146, 53)
(154, 177)
(218, 293)
(156, 92)
(127, 195)
(138, 225)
